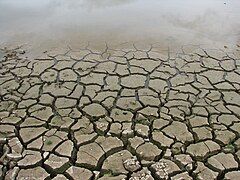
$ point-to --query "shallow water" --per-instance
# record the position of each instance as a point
(56, 22)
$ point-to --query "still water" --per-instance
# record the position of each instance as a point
(46, 23)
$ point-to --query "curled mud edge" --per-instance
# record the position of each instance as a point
(120, 113)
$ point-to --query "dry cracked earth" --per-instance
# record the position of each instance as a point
(123, 113)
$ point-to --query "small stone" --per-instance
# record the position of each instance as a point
(96, 175)
(127, 133)
(142, 130)
(144, 174)
(45, 154)
(164, 168)
(132, 164)
(177, 148)
(102, 126)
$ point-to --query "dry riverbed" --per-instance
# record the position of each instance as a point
(127, 112)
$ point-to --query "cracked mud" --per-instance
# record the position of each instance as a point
(124, 113)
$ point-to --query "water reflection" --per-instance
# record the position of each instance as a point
(54, 22)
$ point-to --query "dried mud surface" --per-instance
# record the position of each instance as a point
(121, 113)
